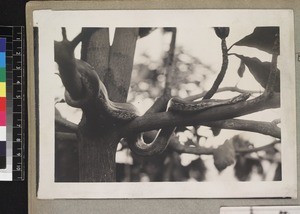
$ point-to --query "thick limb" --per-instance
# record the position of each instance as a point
(64, 57)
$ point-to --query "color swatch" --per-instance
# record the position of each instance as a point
(12, 99)
(3, 101)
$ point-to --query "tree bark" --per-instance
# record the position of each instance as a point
(97, 151)
(117, 80)
(98, 135)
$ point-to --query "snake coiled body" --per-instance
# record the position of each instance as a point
(178, 106)
(95, 91)
(181, 106)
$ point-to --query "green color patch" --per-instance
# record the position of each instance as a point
(2, 75)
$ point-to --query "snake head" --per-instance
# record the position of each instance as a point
(242, 97)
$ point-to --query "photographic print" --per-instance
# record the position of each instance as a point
(261, 210)
(191, 103)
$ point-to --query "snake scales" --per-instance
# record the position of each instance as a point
(94, 89)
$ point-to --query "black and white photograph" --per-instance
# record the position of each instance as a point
(165, 104)
(261, 210)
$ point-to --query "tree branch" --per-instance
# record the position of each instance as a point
(257, 149)
(175, 145)
(232, 89)
(267, 128)
(117, 80)
(222, 73)
(159, 120)
(170, 65)
(160, 103)
(64, 57)
(96, 57)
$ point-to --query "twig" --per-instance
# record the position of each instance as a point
(267, 128)
(243, 151)
(170, 66)
(160, 103)
(221, 75)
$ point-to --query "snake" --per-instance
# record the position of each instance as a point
(95, 91)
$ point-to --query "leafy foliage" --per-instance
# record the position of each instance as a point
(224, 155)
(260, 71)
(262, 38)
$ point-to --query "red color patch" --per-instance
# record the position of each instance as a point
(2, 103)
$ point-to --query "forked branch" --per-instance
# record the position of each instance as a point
(64, 57)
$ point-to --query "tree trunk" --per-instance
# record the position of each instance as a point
(98, 135)
(97, 151)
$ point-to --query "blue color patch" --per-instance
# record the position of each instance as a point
(2, 44)
(2, 60)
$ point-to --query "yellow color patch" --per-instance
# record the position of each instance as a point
(2, 89)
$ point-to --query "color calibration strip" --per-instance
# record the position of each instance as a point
(3, 103)
(15, 97)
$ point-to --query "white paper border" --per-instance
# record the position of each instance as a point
(47, 20)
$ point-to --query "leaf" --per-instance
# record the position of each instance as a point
(216, 131)
(241, 69)
(260, 71)
(224, 155)
(262, 38)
